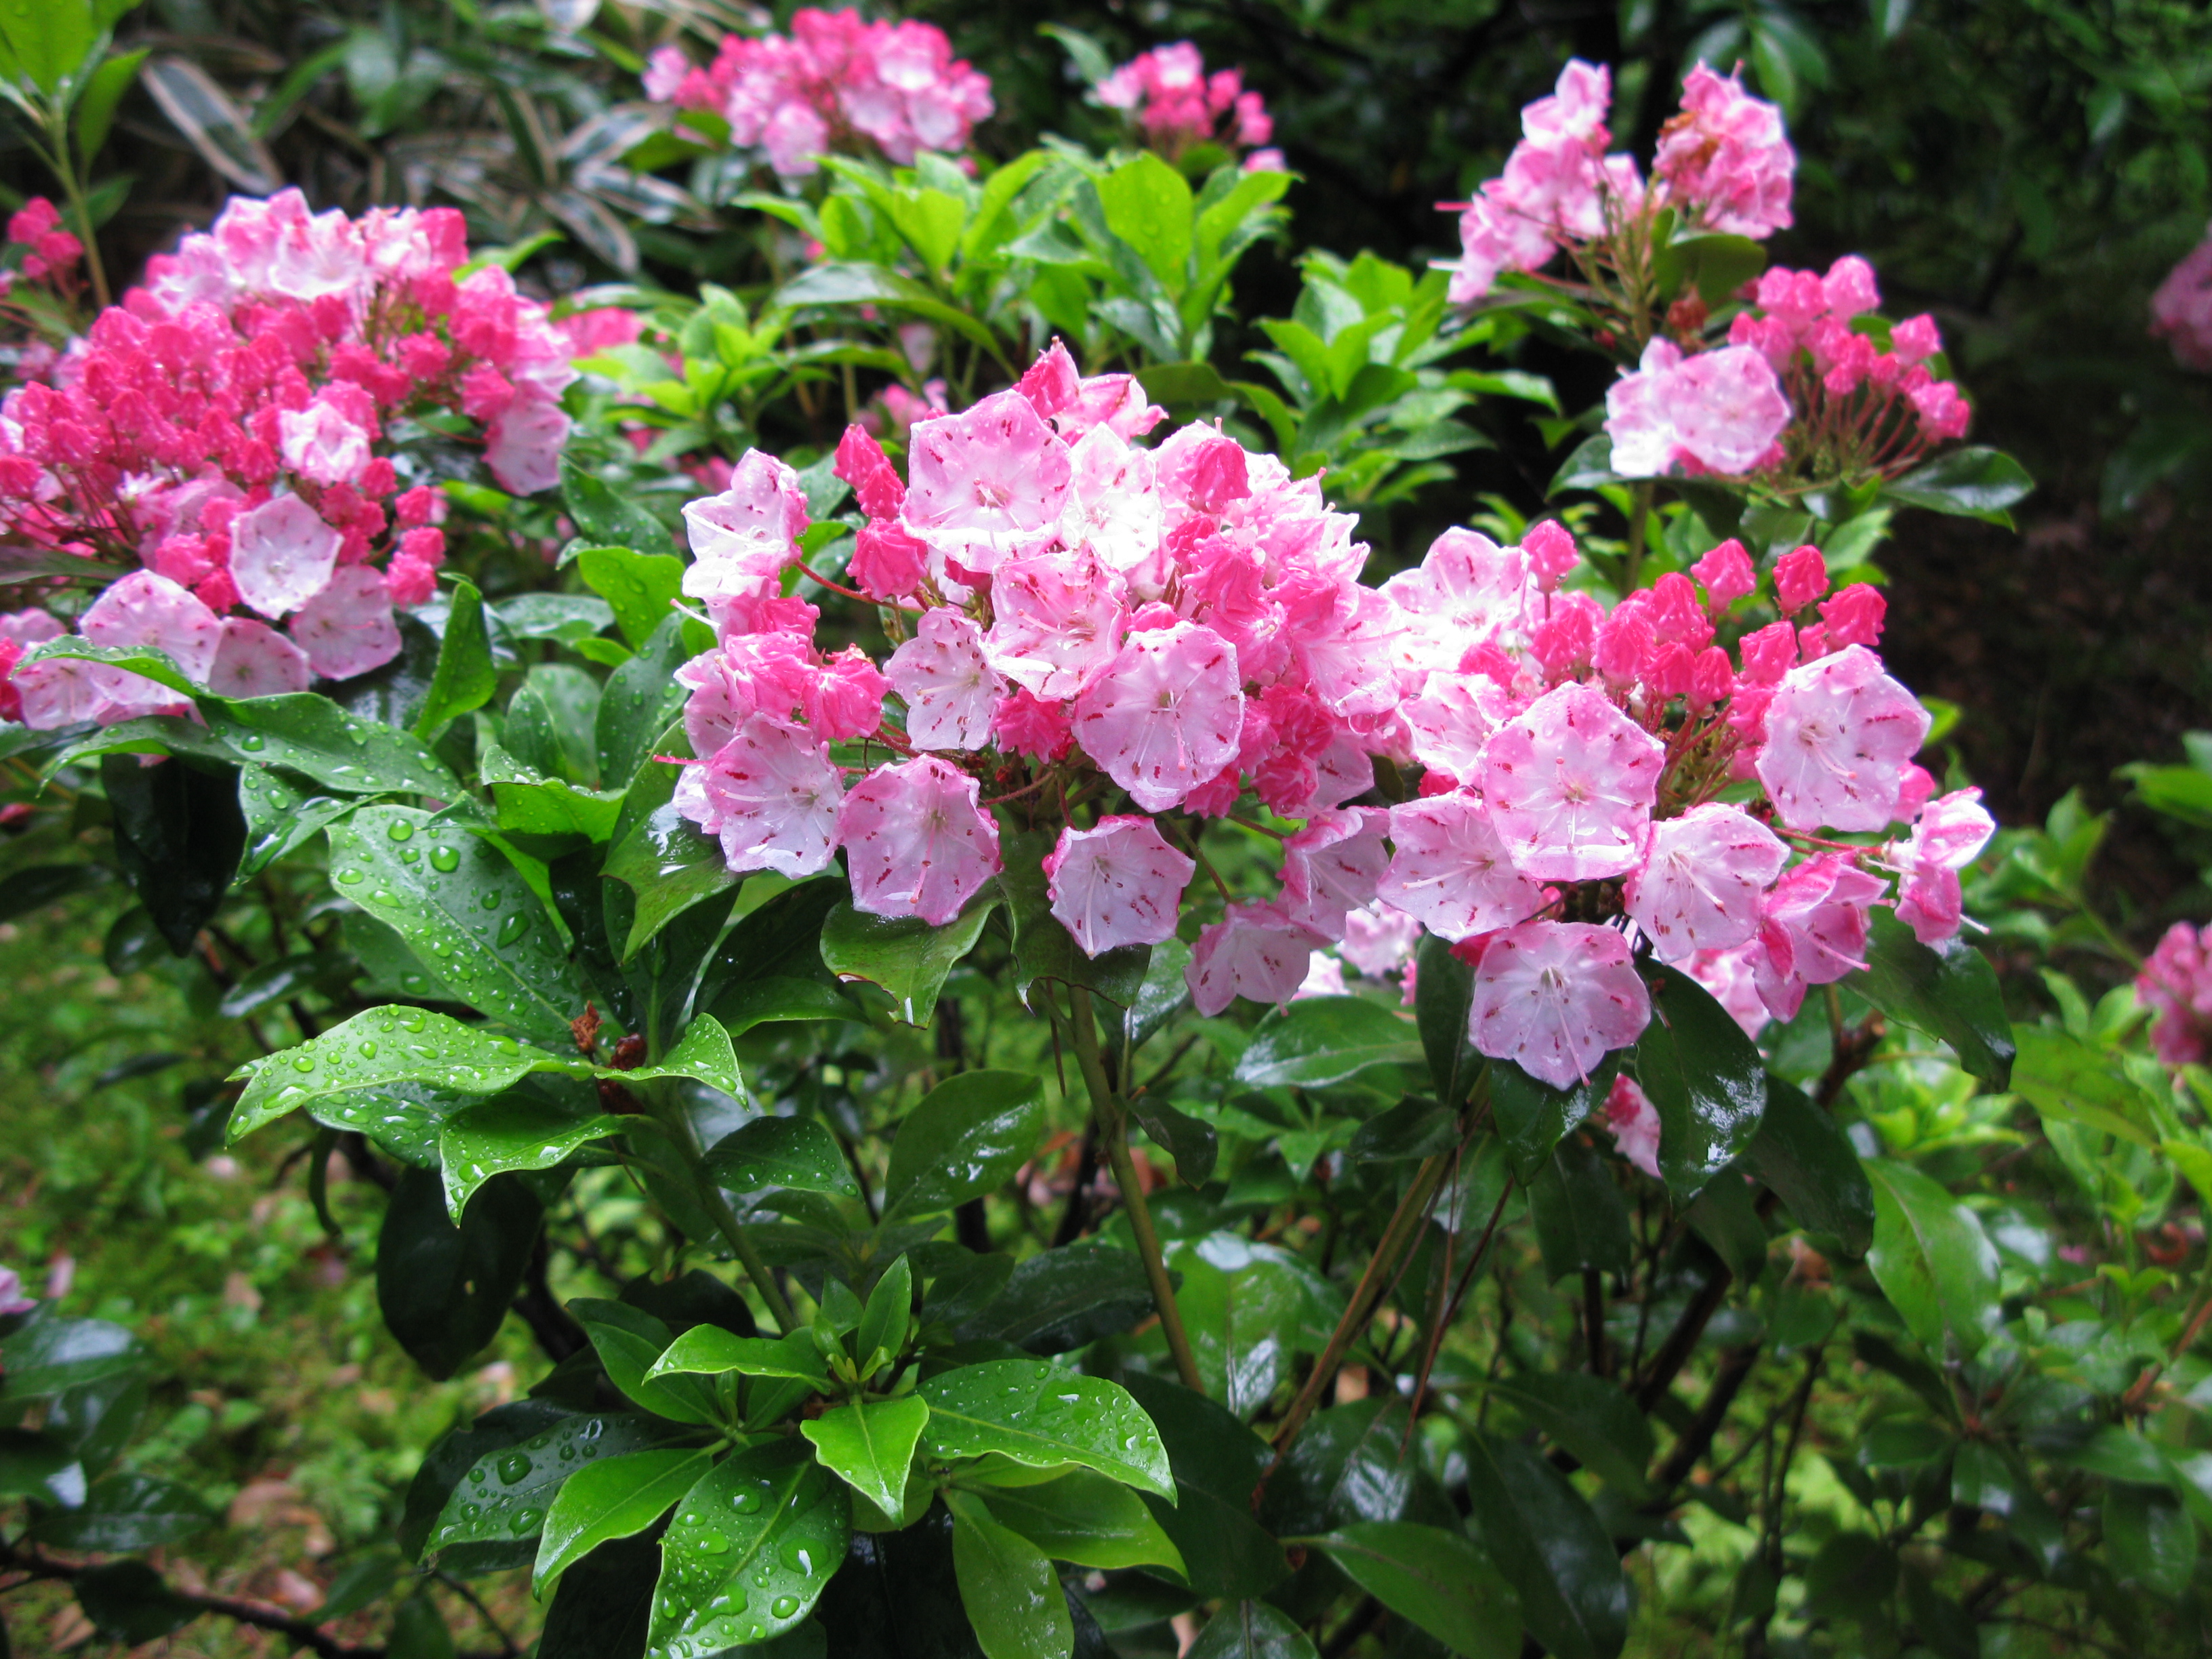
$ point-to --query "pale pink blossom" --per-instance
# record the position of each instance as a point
(348, 627)
(1555, 997)
(986, 485)
(918, 843)
(2177, 980)
(1255, 951)
(1324, 978)
(147, 610)
(1379, 939)
(1451, 872)
(1633, 1122)
(281, 555)
(1114, 504)
(1814, 929)
(1467, 591)
(1332, 866)
(1723, 410)
(1118, 883)
(1699, 885)
(949, 686)
(1164, 715)
(2181, 310)
(1732, 977)
(1452, 721)
(12, 1299)
(743, 538)
(255, 660)
(522, 447)
(1948, 836)
(1725, 159)
(1570, 785)
(769, 795)
(1839, 734)
(320, 443)
(1057, 621)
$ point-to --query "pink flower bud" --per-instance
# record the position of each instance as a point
(1551, 551)
(1727, 573)
(1854, 615)
(1800, 578)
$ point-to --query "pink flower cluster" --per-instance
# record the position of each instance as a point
(50, 253)
(2177, 980)
(1723, 164)
(1086, 623)
(1177, 104)
(836, 83)
(2181, 310)
(229, 427)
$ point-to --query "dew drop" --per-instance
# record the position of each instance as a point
(712, 1543)
(799, 1558)
(349, 877)
(514, 928)
(303, 1062)
(785, 1606)
(445, 859)
(527, 1521)
(513, 1467)
(746, 1502)
(411, 855)
(400, 829)
(368, 1048)
(253, 740)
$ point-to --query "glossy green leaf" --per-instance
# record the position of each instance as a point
(1085, 1518)
(1804, 1155)
(968, 1136)
(908, 957)
(141, 659)
(445, 1290)
(603, 515)
(517, 1131)
(504, 1494)
(103, 91)
(52, 1355)
(1971, 481)
(704, 1054)
(1322, 1040)
(887, 1314)
(768, 1001)
(280, 819)
(630, 1343)
(1591, 1417)
(1705, 1076)
(122, 1513)
(1580, 1219)
(2150, 1538)
(465, 678)
(638, 702)
(1066, 1298)
(1035, 1414)
(1252, 1629)
(1192, 1144)
(529, 800)
(1243, 1311)
(1932, 1261)
(1716, 265)
(616, 1497)
(869, 1446)
(1949, 991)
(1217, 1462)
(1148, 205)
(750, 1551)
(36, 1465)
(2064, 1078)
(669, 867)
(1531, 1116)
(303, 732)
(708, 1350)
(1550, 1547)
(1436, 1579)
(1012, 1593)
(463, 906)
(372, 1050)
(794, 1153)
(641, 588)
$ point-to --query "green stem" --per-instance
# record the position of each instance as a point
(1114, 1135)
(1633, 567)
(725, 1219)
(65, 170)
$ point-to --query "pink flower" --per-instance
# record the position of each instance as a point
(1057, 621)
(1114, 506)
(12, 1299)
(347, 628)
(1555, 997)
(1571, 784)
(1723, 410)
(523, 448)
(949, 686)
(1332, 866)
(1255, 951)
(2181, 310)
(1164, 715)
(1949, 834)
(281, 555)
(324, 443)
(745, 535)
(1839, 734)
(1633, 1122)
(1118, 883)
(1575, 111)
(1725, 159)
(1726, 573)
(1450, 870)
(1452, 721)
(1379, 939)
(770, 795)
(1324, 978)
(147, 610)
(1698, 887)
(917, 842)
(1467, 591)
(1814, 930)
(2177, 980)
(986, 485)
(1024, 723)
(255, 660)
(1731, 976)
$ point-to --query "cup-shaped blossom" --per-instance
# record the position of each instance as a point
(281, 555)
(1255, 951)
(1732, 975)
(1839, 734)
(1813, 928)
(988, 483)
(1164, 716)
(255, 660)
(1699, 885)
(918, 843)
(951, 689)
(1452, 719)
(1118, 884)
(1450, 870)
(1569, 784)
(348, 627)
(1948, 834)
(1555, 997)
(147, 610)
(2177, 980)
(743, 538)
(1057, 621)
(1723, 410)
(1332, 865)
(1725, 159)
(1379, 939)
(769, 795)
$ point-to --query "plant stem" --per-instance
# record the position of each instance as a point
(1640, 510)
(1114, 1135)
(64, 170)
(673, 1118)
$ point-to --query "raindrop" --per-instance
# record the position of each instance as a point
(253, 740)
(712, 1543)
(527, 1521)
(349, 877)
(367, 1049)
(411, 855)
(746, 1502)
(799, 1558)
(445, 859)
(303, 1062)
(400, 829)
(785, 1606)
(489, 901)
(513, 1467)
(514, 928)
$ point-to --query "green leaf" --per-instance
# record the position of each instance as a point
(1932, 1261)
(1243, 1318)
(869, 1446)
(884, 1320)
(52, 1356)
(1322, 1040)
(375, 1049)
(1436, 1579)
(669, 867)
(35, 1465)
(638, 703)
(49, 41)
(1194, 1145)
(1575, 1204)
(127, 1512)
(2064, 1078)
(130, 1603)
(630, 1343)
(1531, 1116)
(614, 1498)
(1034, 1414)
(445, 1290)
(931, 221)
(463, 678)
(504, 1494)
(1971, 481)
(603, 1603)
(604, 515)
(460, 904)
(792, 1152)
(1085, 1518)
(768, 1001)
(1443, 993)
(212, 123)
(710, 1350)
(303, 732)
(1066, 1298)
(968, 1136)
(1804, 1155)
(37, 885)
(1949, 991)
(1252, 1629)
(1180, 384)
(2150, 1538)
(1217, 1462)
(514, 1132)
(1705, 1076)
(1716, 265)
(526, 799)
(1013, 1596)
(1550, 1547)
(641, 588)
(103, 91)
(1148, 205)
(750, 1551)
(908, 957)
(704, 1054)
(1590, 1417)
(179, 834)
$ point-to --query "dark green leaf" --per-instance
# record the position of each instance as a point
(1085, 1518)
(1443, 993)
(637, 704)
(1193, 1145)
(669, 867)
(287, 976)
(528, 800)
(1322, 1040)
(1551, 1548)
(603, 515)
(1033, 1413)
(1932, 1261)
(605, 1604)
(37, 885)
(621, 1494)
(103, 91)
(179, 835)
(781, 939)
(51, 1355)
(1011, 1594)
(1252, 1629)
(1804, 1155)
(1971, 481)
(2064, 1078)
(968, 1136)
(908, 957)
(40, 1466)
(1438, 1579)
(2151, 1538)
(1531, 1114)
(517, 1131)
(1852, 1576)
(465, 678)
(1581, 1220)
(311, 735)
(750, 1550)
(1413, 1128)
(1217, 1462)
(505, 1493)
(1067, 1298)
(444, 1290)
(711, 1350)
(1243, 1313)
(1716, 265)
(631, 1342)
(1590, 1417)
(449, 1459)
(1590, 466)
(641, 588)
(1726, 1216)
(373, 1051)
(1705, 1076)
(1949, 991)
(794, 1152)
(127, 1512)
(128, 1602)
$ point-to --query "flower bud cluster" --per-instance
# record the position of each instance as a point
(836, 83)
(1176, 104)
(50, 254)
(232, 428)
(1130, 638)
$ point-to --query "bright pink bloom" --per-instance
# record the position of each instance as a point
(2177, 980)
(1255, 951)
(1164, 715)
(1724, 159)
(1555, 997)
(1723, 410)
(1332, 866)
(523, 446)
(1174, 104)
(951, 690)
(1800, 576)
(347, 628)
(1699, 885)
(918, 843)
(1732, 977)
(1571, 785)
(1633, 1122)
(1839, 734)
(1814, 930)
(986, 485)
(1024, 723)
(744, 536)
(1057, 621)
(1726, 573)
(888, 564)
(1949, 834)
(1119, 883)
(1450, 870)
(1467, 591)
(254, 660)
(770, 795)
(1452, 719)
(281, 555)
(1854, 615)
